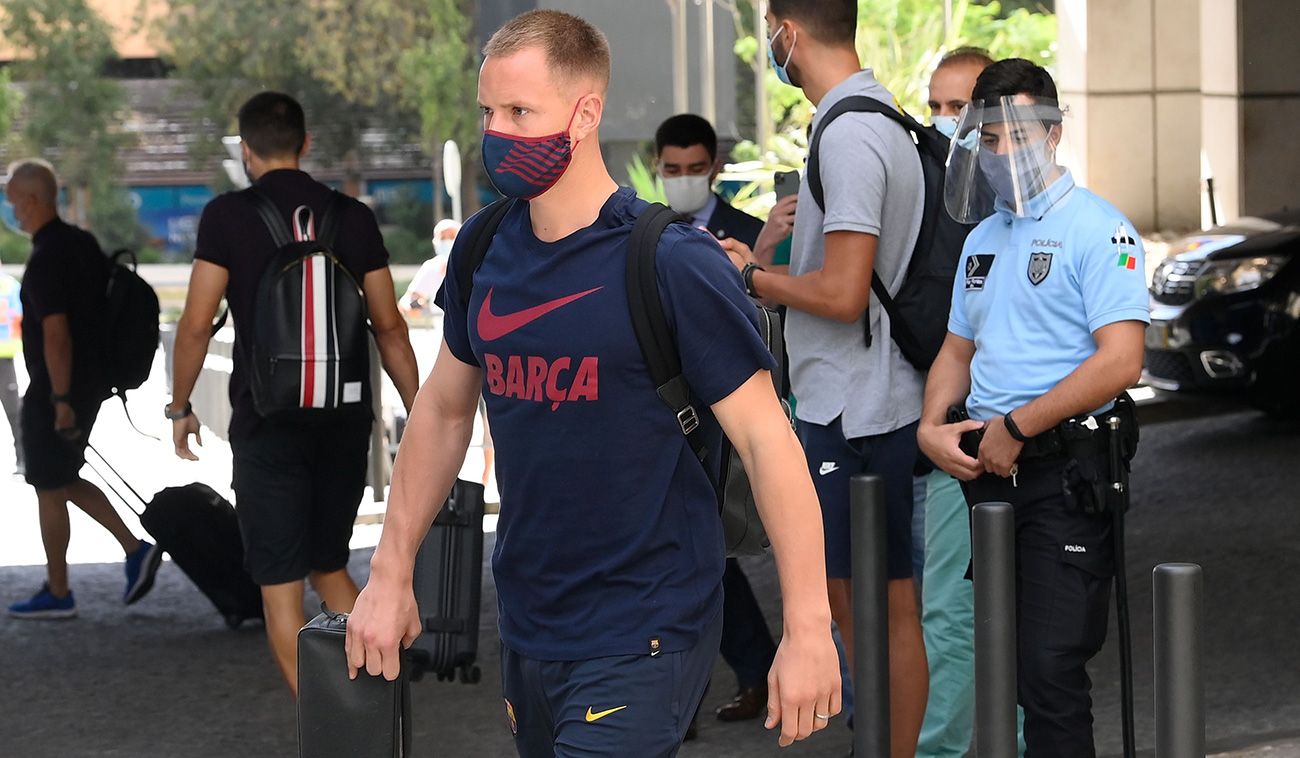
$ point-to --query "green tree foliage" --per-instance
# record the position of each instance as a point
(404, 65)
(229, 51)
(71, 112)
(439, 75)
(10, 102)
(902, 41)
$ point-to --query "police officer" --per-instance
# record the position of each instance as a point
(1046, 330)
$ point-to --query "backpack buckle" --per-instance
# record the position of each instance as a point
(688, 419)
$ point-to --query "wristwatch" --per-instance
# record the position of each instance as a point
(56, 398)
(1012, 429)
(177, 415)
(747, 273)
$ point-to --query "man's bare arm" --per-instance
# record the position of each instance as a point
(433, 447)
(391, 335)
(805, 676)
(948, 384)
(436, 438)
(193, 332)
(839, 290)
(1116, 366)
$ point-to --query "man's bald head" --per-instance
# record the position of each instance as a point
(33, 192)
(34, 179)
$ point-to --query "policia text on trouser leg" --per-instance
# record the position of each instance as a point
(1065, 560)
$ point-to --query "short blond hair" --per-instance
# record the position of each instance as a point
(36, 177)
(574, 48)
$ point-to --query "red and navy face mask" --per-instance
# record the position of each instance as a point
(525, 167)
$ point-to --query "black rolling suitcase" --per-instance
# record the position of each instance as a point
(198, 528)
(338, 717)
(448, 588)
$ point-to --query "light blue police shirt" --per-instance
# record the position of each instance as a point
(1030, 292)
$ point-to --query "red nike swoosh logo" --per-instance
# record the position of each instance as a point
(493, 327)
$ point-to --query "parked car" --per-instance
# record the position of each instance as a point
(1225, 314)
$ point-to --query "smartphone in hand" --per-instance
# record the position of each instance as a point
(787, 184)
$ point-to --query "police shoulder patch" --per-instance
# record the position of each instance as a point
(1126, 247)
(978, 268)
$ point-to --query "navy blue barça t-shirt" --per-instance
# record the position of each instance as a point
(609, 541)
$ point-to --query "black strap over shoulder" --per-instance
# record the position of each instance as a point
(646, 309)
(275, 223)
(858, 104)
(853, 104)
(478, 246)
(653, 334)
(279, 229)
(333, 218)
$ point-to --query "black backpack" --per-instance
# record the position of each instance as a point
(131, 325)
(743, 530)
(918, 314)
(310, 346)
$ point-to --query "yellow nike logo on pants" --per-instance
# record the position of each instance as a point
(598, 716)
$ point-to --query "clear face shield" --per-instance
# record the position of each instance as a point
(1003, 155)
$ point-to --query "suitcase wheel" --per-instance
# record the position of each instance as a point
(471, 674)
(233, 620)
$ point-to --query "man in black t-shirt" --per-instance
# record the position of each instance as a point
(63, 303)
(298, 481)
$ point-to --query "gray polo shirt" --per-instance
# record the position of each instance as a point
(871, 175)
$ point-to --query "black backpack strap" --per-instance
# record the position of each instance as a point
(653, 334)
(275, 223)
(860, 104)
(476, 250)
(853, 104)
(329, 223)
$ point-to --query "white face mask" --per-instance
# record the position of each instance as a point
(687, 194)
(946, 125)
(443, 247)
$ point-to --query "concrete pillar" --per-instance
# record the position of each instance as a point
(1251, 85)
(1129, 71)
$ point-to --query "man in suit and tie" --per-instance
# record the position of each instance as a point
(686, 157)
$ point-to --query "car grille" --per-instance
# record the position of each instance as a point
(1170, 366)
(1174, 281)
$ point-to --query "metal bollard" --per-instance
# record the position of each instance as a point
(1180, 694)
(870, 617)
(993, 549)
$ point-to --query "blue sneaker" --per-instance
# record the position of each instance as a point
(141, 567)
(44, 605)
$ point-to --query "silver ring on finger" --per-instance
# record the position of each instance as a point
(821, 716)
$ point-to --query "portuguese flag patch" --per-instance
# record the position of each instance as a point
(1128, 261)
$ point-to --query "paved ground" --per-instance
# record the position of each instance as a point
(166, 678)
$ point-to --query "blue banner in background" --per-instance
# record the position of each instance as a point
(171, 214)
(388, 191)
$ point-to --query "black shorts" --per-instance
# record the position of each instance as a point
(297, 490)
(833, 461)
(53, 462)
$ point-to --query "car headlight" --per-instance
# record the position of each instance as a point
(1227, 277)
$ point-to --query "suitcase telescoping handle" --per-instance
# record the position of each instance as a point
(143, 503)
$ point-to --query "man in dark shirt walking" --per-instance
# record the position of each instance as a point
(63, 301)
(298, 480)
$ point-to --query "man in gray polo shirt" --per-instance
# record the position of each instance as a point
(858, 404)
